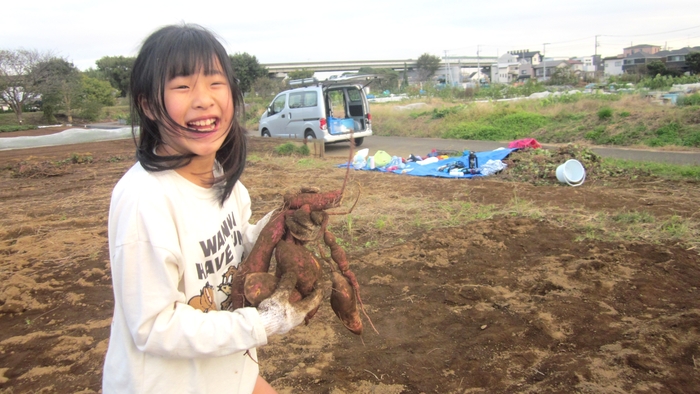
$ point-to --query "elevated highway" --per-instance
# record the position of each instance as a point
(354, 65)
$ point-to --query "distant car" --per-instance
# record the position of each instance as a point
(331, 110)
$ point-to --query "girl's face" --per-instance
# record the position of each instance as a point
(203, 104)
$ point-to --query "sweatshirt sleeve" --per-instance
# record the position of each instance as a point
(157, 315)
(251, 231)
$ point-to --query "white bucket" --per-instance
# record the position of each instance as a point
(571, 172)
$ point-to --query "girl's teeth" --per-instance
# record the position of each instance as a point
(203, 125)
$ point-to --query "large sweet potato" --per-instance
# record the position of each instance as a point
(259, 258)
(261, 285)
(292, 257)
(344, 303)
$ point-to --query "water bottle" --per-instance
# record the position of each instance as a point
(473, 161)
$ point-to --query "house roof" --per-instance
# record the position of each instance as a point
(642, 55)
(618, 57)
(524, 54)
(643, 46)
(550, 63)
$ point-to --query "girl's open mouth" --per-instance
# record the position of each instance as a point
(204, 125)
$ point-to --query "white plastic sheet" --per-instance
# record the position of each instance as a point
(65, 137)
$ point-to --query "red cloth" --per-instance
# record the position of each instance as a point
(525, 143)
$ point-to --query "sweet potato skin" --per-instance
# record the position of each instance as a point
(292, 257)
(344, 303)
(259, 258)
(261, 285)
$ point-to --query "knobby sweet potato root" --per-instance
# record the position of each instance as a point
(344, 303)
(261, 285)
(259, 258)
(292, 257)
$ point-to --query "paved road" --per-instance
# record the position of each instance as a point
(403, 146)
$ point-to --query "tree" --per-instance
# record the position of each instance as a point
(266, 87)
(98, 90)
(692, 60)
(388, 78)
(563, 76)
(656, 67)
(247, 69)
(300, 74)
(60, 85)
(117, 70)
(96, 94)
(427, 65)
(18, 85)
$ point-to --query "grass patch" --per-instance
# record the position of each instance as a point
(661, 170)
(605, 113)
(289, 148)
(499, 127)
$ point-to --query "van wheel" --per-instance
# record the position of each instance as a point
(310, 135)
(359, 141)
(265, 133)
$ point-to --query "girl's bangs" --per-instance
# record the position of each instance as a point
(192, 54)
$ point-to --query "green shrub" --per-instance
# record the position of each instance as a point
(288, 149)
(693, 99)
(91, 111)
(666, 135)
(499, 127)
(605, 113)
(9, 128)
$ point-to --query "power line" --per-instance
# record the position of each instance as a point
(653, 34)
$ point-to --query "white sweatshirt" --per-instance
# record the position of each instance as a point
(172, 248)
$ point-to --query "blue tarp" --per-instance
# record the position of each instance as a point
(412, 168)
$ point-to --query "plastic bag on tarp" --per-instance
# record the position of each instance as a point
(491, 167)
(381, 159)
(360, 160)
(524, 143)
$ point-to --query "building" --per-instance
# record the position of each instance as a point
(507, 70)
(613, 65)
(637, 49)
(675, 59)
(527, 59)
(550, 66)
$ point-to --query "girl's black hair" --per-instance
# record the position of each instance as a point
(180, 50)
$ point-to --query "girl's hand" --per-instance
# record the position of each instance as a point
(279, 316)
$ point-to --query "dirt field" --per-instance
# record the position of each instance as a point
(474, 286)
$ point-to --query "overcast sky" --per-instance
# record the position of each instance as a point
(83, 31)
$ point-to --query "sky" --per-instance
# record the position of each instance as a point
(274, 31)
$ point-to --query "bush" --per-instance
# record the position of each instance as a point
(91, 111)
(605, 113)
(9, 128)
(499, 127)
(288, 149)
(666, 135)
(693, 99)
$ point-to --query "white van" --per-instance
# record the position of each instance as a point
(331, 110)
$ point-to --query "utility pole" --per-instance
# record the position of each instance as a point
(595, 58)
(478, 67)
(596, 45)
(448, 76)
(544, 61)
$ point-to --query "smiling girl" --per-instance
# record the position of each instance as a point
(179, 225)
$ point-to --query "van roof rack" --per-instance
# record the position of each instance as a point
(303, 82)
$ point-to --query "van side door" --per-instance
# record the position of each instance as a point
(278, 116)
(295, 126)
